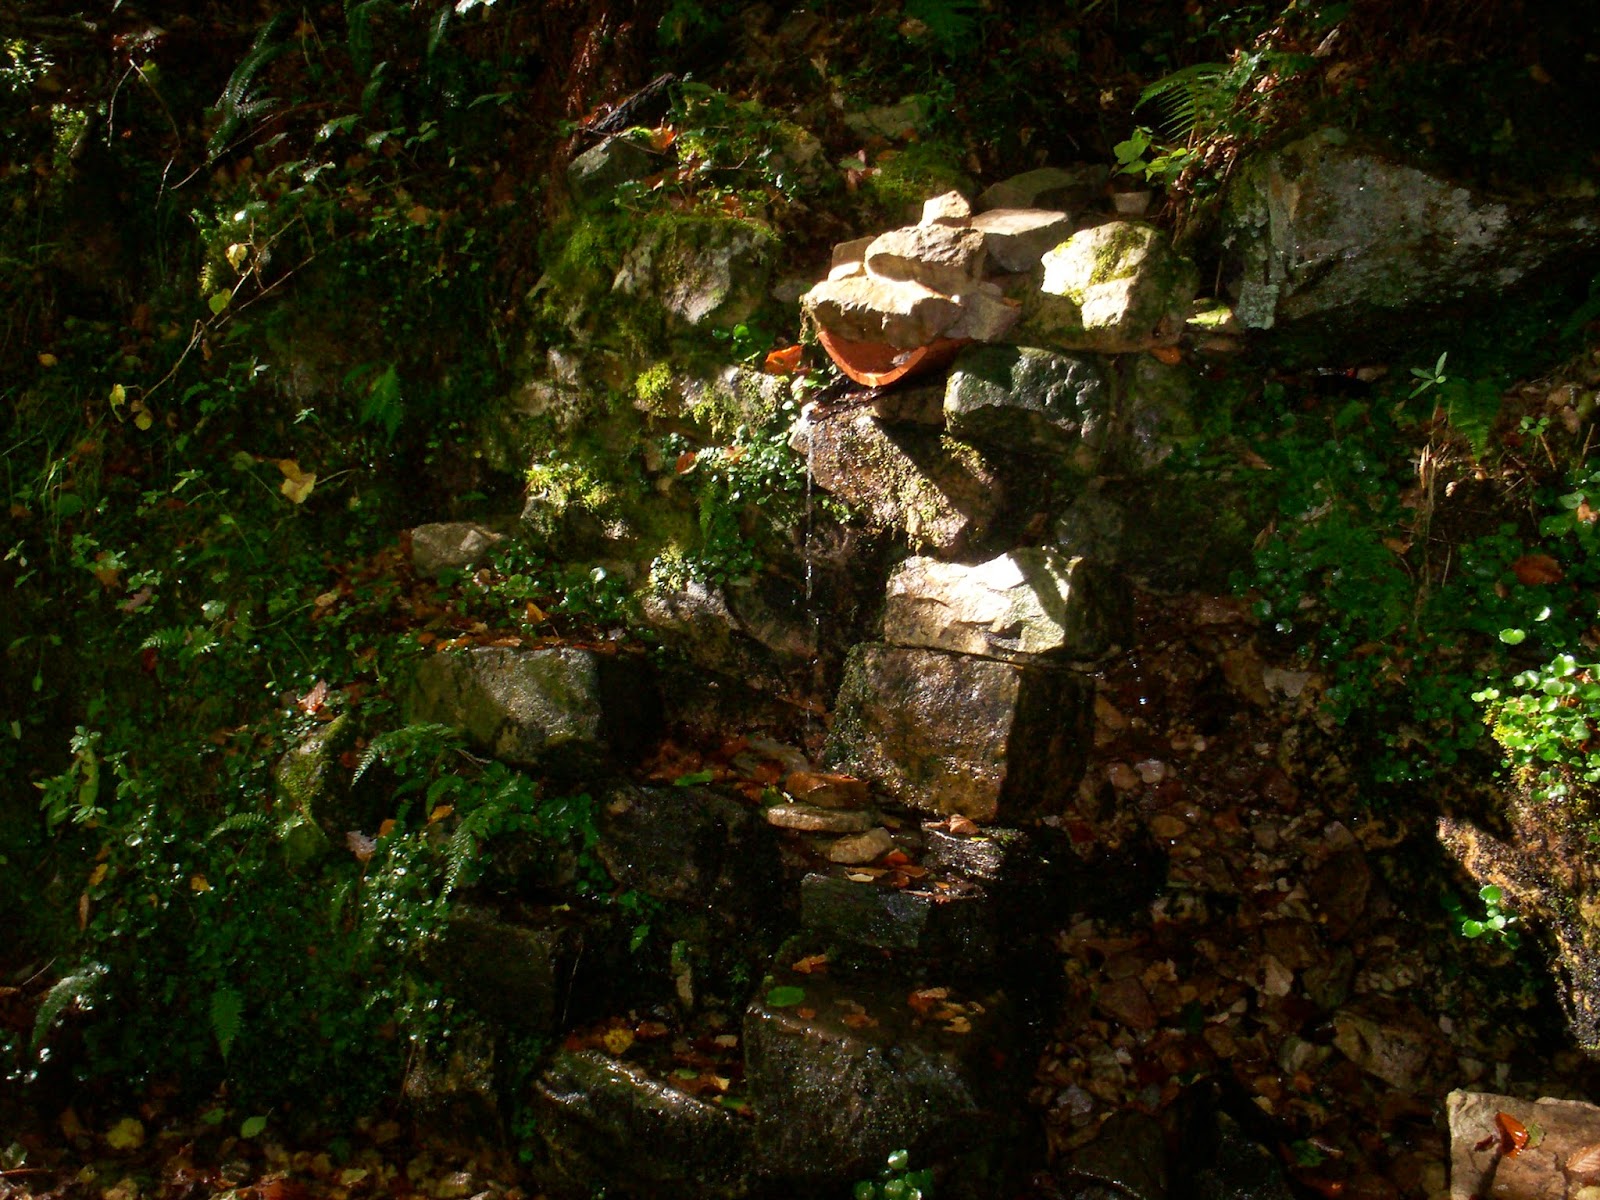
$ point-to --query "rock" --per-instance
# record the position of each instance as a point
(1559, 1164)
(910, 405)
(951, 208)
(595, 173)
(1129, 1155)
(312, 782)
(1017, 238)
(891, 121)
(450, 545)
(946, 497)
(1115, 288)
(1397, 1049)
(945, 258)
(825, 789)
(953, 928)
(517, 975)
(1070, 188)
(773, 611)
(856, 1072)
(849, 258)
(1030, 401)
(986, 315)
(450, 1087)
(703, 272)
(1031, 603)
(696, 621)
(808, 818)
(1237, 1167)
(989, 855)
(861, 847)
(1156, 414)
(689, 846)
(1126, 1002)
(949, 733)
(863, 309)
(1346, 248)
(563, 710)
(597, 1118)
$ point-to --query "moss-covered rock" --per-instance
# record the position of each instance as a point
(1115, 288)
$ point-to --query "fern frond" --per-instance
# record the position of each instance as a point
(227, 1017)
(69, 989)
(401, 743)
(460, 852)
(253, 822)
(172, 638)
(1186, 96)
(235, 105)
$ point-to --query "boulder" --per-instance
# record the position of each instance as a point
(951, 733)
(450, 545)
(595, 173)
(986, 315)
(563, 710)
(945, 258)
(946, 497)
(1341, 244)
(899, 313)
(1032, 603)
(515, 974)
(1070, 188)
(450, 1087)
(1017, 238)
(1156, 411)
(595, 1118)
(702, 272)
(1115, 288)
(951, 208)
(1030, 401)
(952, 926)
(1563, 1163)
(689, 846)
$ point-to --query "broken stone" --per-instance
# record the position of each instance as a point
(1017, 238)
(986, 315)
(563, 710)
(808, 818)
(954, 928)
(1559, 1165)
(1031, 603)
(944, 495)
(949, 209)
(595, 173)
(862, 847)
(950, 733)
(1031, 401)
(863, 309)
(1115, 288)
(946, 259)
(702, 273)
(450, 545)
(1070, 188)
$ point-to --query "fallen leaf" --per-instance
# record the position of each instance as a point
(313, 700)
(805, 1014)
(858, 1020)
(924, 1000)
(782, 362)
(126, 1134)
(1170, 355)
(958, 1025)
(962, 826)
(686, 462)
(199, 884)
(360, 844)
(48, 360)
(810, 963)
(98, 874)
(1513, 1134)
(1534, 569)
(386, 827)
(616, 1041)
(297, 484)
(440, 812)
(650, 1030)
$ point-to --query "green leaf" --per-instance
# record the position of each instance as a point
(219, 301)
(694, 779)
(1471, 929)
(227, 1011)
(785, 997)
(1513, 637)
(1491, 893)
(252, 1126)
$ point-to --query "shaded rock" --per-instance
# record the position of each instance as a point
(909, 116)
(1398, 1049)
(1129, 1156)
(1126, 1002)
(1155, 411)
(1340, 243)
(954, 929)
(1557, 1166)
(910, 405)
(860, 848)
(450, 545)
(696, 621)
(688, 846)
(595, 173)
(946, 497)
(1017, 238)
(516, 974)
(946, 258)
(1031, 603)
(1070, 188)
(986, 315)
(1237, 1167)
(450, 1087)
(950, 733)
(1115, 288)
(1339, 889)
(597, 1118)
(702, 272)
(992, 855)
(562, 710)
(808, 818)
(896, 312)
(773, 611)
(313, 782)
(1031, 401)
(856, 1072)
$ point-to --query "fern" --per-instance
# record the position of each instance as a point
(253, 822)
(384, 406)
(227, 1013)
(76, 988)
(1188, 96)
(1471, 409)
(460, 853)
(950, 23)
(399, 744)
(236, 105)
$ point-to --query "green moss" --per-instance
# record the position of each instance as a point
(654, 390)
(917, 173)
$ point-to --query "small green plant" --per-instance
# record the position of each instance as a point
(1168, 163)
(1494, 925)
(1547, 721)
(897, 1181)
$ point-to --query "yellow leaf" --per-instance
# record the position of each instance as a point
(48, 360)
(237, 253)
(616, 1040)
(297, 484)
(199, 883)
(143, 420)
(440, 813)
(98, 874)
(126, 1134)
(119, 396)
(219, 301)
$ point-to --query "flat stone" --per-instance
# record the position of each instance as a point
(950, 733)
(563, 710)
(1033, 603)
(1017, 238)
(946, 258)
(945, 496)
(808, 818)
(1558, 1166)
(986, 314)
(861, 847)
(860, 308)
(953, 927)
(826, 789)
(450, 545)
(1070, 188)
(1115, 288)
(952, 208)
(1031, 401)
(689, 846)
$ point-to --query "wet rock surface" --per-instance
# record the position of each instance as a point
(1030, 401)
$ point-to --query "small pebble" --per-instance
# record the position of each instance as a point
(810, 819)
(861, 847)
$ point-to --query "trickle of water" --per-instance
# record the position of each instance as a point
(814, 673)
